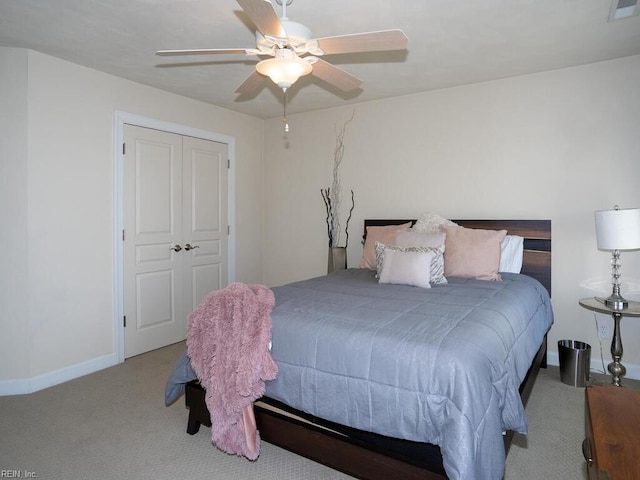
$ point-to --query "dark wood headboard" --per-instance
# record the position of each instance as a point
(537, 241)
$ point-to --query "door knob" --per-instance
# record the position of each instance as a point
(176, 248)
(188, 247)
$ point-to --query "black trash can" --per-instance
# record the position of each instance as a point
(575, 362)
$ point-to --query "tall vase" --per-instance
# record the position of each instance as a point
(337, 259)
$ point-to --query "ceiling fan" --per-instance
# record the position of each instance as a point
(295, 53)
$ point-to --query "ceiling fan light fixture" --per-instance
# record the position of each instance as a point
(285, 69)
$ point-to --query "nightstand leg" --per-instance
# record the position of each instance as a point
(616, 368)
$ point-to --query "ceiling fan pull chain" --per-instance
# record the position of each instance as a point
(284, 115)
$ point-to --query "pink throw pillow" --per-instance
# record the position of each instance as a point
(472, 252)
(385, 234)
(411, 238)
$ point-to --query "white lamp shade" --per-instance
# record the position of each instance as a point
(285, 69)
(618, 229)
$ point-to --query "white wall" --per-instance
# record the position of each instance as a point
(61, 192)
(556, 145)
(13, 209)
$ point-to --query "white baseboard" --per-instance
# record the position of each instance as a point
(46, 380)
(633, 371)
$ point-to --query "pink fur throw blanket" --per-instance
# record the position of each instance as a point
(228, 339)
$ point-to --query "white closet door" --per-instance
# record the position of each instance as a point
(205, 225)
(174, 248)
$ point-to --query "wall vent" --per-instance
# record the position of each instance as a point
(623, 9)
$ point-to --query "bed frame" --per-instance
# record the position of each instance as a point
(370, 456)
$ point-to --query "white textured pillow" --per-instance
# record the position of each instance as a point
(430, 223)
(436, 269)
(406, 268)
(511, 252)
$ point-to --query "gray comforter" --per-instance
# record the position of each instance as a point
(440, 365)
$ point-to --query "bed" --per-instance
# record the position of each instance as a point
(383, 396)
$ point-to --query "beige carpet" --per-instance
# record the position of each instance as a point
(113, 425)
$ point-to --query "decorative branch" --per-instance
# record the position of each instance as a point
(327, 205)
(346, 228)
(333, 196)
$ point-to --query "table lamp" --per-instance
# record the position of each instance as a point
(616, 230)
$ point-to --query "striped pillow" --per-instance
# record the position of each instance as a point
(437, 263)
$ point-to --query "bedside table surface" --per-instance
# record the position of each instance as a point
(613, 414)
(591, 303)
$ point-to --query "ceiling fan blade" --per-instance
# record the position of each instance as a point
(335, 76)
(252, 83)
(264, 17)
(205, 51)
(364, 42)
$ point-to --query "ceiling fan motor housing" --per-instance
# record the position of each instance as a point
(297, 37)
(298, 33)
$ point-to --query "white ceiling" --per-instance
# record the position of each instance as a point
(451, 42)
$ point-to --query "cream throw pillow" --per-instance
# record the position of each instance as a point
(406, 268)
(472, 252)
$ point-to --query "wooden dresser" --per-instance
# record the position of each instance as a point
(612, 444)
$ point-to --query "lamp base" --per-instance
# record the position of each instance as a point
(615, 301)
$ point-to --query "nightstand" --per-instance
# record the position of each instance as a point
(612, 443)
(616, 368)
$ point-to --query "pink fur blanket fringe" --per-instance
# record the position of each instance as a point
(228, 339)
